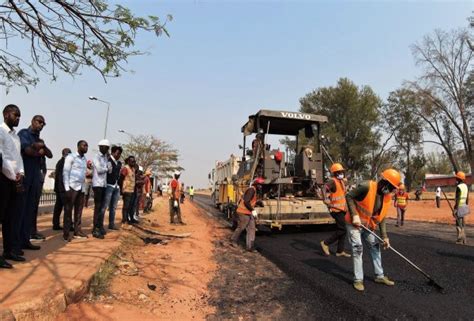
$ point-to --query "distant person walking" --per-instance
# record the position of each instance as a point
(438, 197)
(59, 190)
(74, 176)
(11, 186)
(335, 199)
(191, 193)
(401, 203)
(99, 185)
(461, 207)
(112, 192)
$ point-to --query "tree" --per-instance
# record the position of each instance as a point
(352, 113)
(446, 61)
(66, 36)
(153, 153)
(401, 119)
(438, 163)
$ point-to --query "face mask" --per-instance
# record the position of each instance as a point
(340, 176)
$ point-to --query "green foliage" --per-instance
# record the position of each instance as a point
(437, 163)
(353, 114)
(401, 119)
(153, 153)
(65, 36)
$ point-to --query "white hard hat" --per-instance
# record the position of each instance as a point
(140, 168)
(104, 142)
(177, 173)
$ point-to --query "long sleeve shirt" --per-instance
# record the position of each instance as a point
(10, 147)
(358, 194)
(100, 169)
(74, 172)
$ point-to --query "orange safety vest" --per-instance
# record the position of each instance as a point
(401, 199)
(177, 192)
(338, 198)
(241, 209)
(365, 208)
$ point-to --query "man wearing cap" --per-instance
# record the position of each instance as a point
(368, 204)
(175, 195)
(247, 214)
(99, 185)
(461, 206)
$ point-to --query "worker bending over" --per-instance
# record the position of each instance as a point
(368, 204)
(247, 215)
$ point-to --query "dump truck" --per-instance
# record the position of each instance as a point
(292, 190)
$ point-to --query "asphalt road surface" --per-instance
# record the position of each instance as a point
(296, 251)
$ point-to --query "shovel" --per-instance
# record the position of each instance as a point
(431, 282)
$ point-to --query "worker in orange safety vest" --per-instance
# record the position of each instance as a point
(400, 203)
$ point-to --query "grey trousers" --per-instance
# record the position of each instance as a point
(246, 222)
(400, 216)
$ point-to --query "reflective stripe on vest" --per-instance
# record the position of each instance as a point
(241, 209)
(365, 208)
(401, 200)
(338, 198)
(464, 191)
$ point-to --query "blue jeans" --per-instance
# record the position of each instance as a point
(112, 195)
(356, 236)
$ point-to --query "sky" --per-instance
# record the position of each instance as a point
(224, 61)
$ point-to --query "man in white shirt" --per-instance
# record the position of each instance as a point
(11, 186)
(99, 185)
(74, 175)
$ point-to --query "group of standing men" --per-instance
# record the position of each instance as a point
(23, 169)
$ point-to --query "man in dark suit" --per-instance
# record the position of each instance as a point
(59, 190)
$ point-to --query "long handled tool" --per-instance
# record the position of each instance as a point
(431, 280)
(449, 203)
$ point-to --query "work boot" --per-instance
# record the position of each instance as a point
(359, 286)
(96, 233)
(325, 248)
(384, 280)
(344, 254)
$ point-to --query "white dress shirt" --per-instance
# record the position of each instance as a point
(100, 169)
(10, 147)
(74, 172)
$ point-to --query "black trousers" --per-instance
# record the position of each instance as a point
(340, 235)
(58, 208)
(73, 200)
(9, 214)
(127, 207)
(99, 196)
(29, 204)
(438, 202)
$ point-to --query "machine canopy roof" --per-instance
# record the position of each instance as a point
(281, 122)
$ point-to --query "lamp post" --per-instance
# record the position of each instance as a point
(126, 133)
(107, 116)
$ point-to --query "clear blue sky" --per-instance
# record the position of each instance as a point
(228, 59)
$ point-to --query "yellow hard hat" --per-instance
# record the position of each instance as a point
(392, 176)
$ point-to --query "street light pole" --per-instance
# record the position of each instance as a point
(107, 115)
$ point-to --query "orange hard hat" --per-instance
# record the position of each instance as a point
(401, 187)
(336, 167)
(392, 176)
(461, 176)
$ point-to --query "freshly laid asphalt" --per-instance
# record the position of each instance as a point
(326, 282)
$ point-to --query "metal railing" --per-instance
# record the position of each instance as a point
(47, 198)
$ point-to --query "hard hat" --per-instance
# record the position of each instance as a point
(104, 142)
(392, 176)
(461, 176)
(401, 187)
(258, 180)
(336, 167)
(140, 168)
(177, 173)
